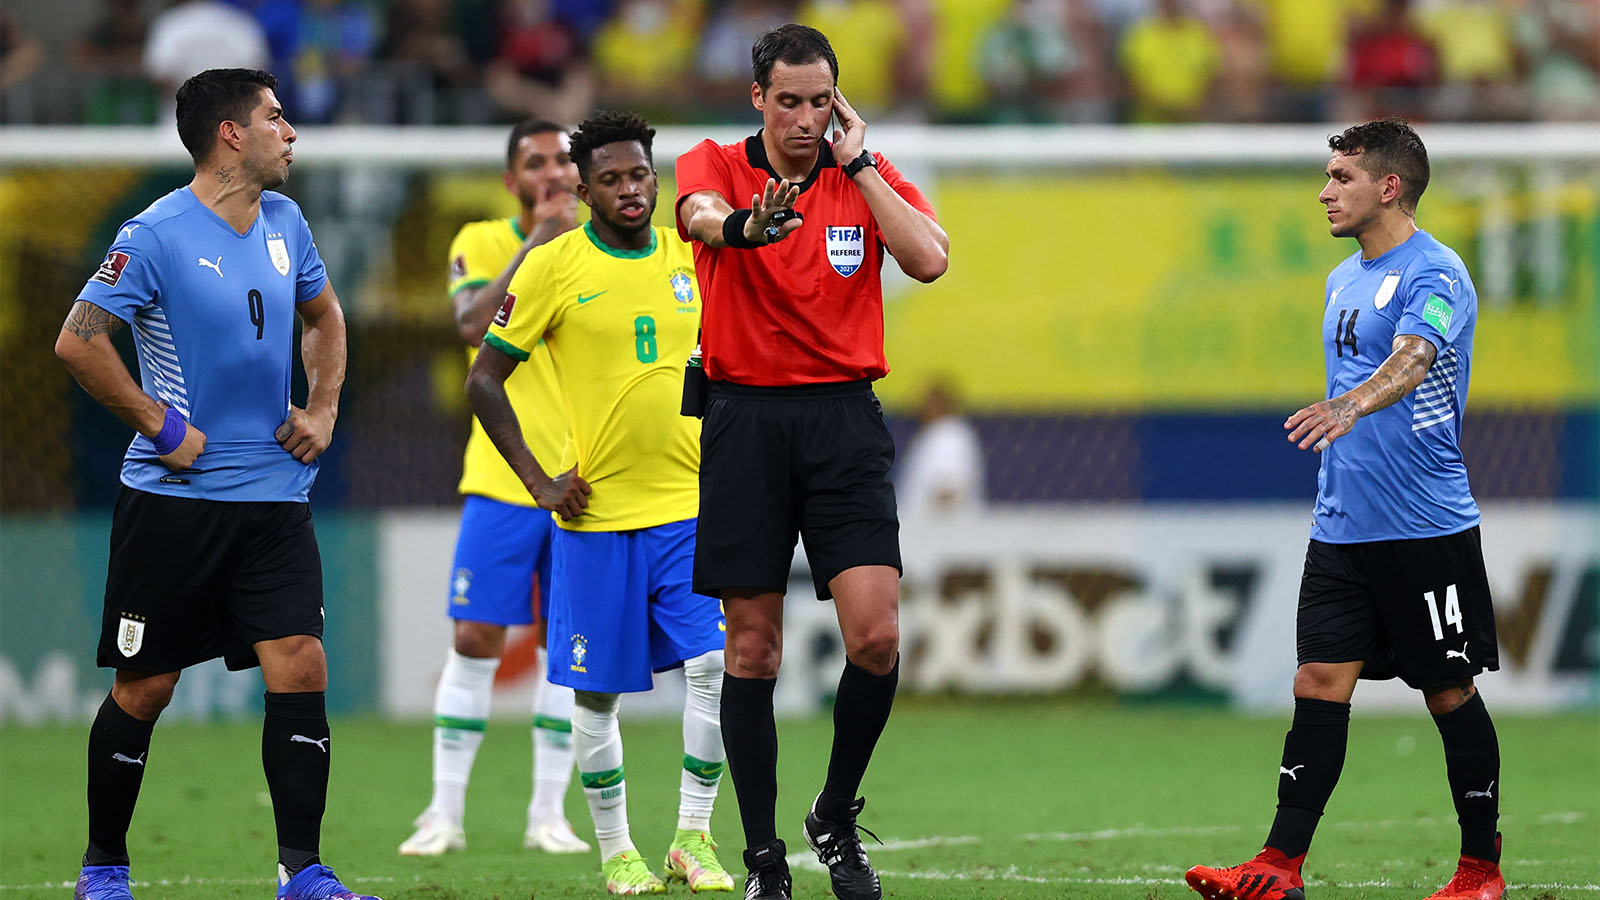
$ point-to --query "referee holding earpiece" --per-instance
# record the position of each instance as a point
(793, 439)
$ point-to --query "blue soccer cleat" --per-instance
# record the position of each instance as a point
(103, 883)
(317, 882)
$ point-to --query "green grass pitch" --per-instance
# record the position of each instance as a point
(1004, 799)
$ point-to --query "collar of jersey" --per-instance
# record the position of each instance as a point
(208, 211)
(588, 230)
(1388, 255)
(756, 152)
(516, 229)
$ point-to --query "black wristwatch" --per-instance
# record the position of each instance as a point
(854, 166)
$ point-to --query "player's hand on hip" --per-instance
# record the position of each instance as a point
(305, 434)
(566, 495)
(851, 137)
(194, 443)
(765, 208)
(1319, 424)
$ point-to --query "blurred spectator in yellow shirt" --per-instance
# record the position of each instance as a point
(955, 81)
(643, 55)
(1171, 61)
(1477, 59)
(870, 41)
(1305, 44)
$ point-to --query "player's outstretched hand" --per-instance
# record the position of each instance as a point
(1319, 424)
(851, 136)
(765, 208)
(194, 443)
(305, 434)
(566, 495)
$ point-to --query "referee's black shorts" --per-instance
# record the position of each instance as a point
(1416, 609)
(192, 580)
(776, 462)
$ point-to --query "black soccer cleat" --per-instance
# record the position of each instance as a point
(838, 846)
(768, 877)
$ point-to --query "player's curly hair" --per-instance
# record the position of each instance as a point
(609, 127)
(1384, 147)
(215, 96)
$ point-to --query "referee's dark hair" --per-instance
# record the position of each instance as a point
(213, 97)
(1388, 146)
(609, 127)
(523, 129)
(793, 44)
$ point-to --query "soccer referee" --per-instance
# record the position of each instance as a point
(1394, 582)
(793, 440)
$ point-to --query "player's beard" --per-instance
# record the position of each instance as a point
(625, 228)
(268, 175)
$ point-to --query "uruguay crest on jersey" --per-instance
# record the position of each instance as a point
(279, 254)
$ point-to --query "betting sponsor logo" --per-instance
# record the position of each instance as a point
(110, 271)
(503, 316)
(847, 248)
(1438, 313)
(130, 635)
(279, 253)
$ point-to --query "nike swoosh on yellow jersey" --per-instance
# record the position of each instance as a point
(582, 299)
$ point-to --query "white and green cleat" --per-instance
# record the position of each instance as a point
(692, 858)
(626, 873)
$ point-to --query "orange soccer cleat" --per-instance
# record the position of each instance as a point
(1270, 876)
(1475, 879)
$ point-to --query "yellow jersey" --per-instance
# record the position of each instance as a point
(479, 253)
(620, 324)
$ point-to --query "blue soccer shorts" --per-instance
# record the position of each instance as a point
(622, 607)
(502, 553)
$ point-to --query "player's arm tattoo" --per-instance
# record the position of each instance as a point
(1398, 376)
(87, 320)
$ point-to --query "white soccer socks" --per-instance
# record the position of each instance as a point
(552, 747)
(597, 743)
(703, 755)
(460, 712)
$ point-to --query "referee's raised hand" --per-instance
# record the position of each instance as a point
(777, 197)
(566, 495)
(851, 136)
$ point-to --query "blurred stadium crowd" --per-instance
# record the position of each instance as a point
(946, 61)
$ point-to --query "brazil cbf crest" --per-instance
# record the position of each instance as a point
(847, 248)
(279, 253)
(130, 634)
(580, 651)
(682, 286)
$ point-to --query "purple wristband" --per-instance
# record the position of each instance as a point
(170, 437)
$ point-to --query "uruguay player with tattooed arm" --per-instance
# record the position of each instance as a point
(212, 548)
(1394, 582)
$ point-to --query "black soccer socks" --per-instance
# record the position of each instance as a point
(1472, 761)
(860, 710)
(750, 736)
(118, 747)
(1313, 755)
(295, 750)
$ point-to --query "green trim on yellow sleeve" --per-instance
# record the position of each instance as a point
(506, 347)
(476, 282)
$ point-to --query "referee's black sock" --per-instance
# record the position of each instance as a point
(119, 745)
(1313, 755)
(860, 710)
(295, 749)
(1472, 761)
(750, 736)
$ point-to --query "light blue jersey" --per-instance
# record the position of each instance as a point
(213, 323)
(1398, 474)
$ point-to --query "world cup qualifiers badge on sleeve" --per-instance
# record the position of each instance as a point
(846, 248)
(503, 317)
(110, 271)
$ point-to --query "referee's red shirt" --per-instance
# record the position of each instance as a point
(808, 309)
